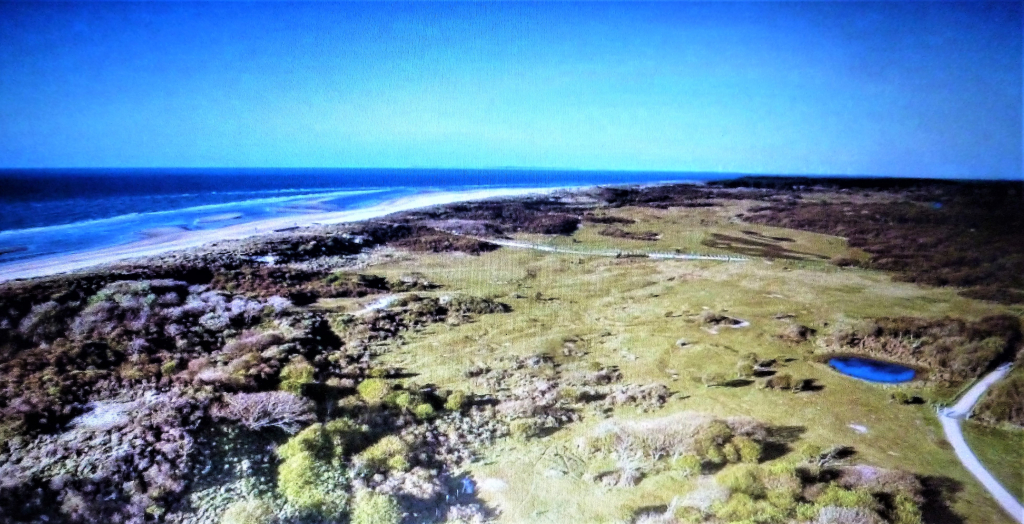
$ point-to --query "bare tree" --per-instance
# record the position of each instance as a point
(256, 411)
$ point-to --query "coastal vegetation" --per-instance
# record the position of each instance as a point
(407, 370)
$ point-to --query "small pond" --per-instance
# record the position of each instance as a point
(872, 370)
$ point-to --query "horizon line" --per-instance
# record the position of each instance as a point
(737, 174)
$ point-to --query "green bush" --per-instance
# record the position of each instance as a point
(742, 508)
(523, 428)
(732, 455)
(296, 375)
(389, 453)
(248, 511)
(900, 397)
(781, 477)
(400, 399)
(834, 495)
(714, 455)
(455, 401)
(373, 390)
(905, 510)
(326, 442)
(711, 435)
(374, 508)
(739, 507)
(782, 499)
(744, 369)
(749, 449)
(423, 411)
(742, 478)
(810, 452)
(687, 465)
(805, 512)
(311, 477)
(311, 485)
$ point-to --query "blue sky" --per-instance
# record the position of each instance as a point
(908, 88)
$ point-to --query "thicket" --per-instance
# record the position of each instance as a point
(951, 349)
(957, 234)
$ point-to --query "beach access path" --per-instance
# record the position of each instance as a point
(950, 418)
(162, 244)
(610, 253)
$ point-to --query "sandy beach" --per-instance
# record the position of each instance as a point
(165, 243)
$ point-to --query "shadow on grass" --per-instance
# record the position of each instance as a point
(939, 493)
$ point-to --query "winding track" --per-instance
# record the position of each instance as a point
(950, 419)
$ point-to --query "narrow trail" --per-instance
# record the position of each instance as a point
(609, 253)
(950, 418)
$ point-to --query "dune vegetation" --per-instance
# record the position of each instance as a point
(411, 371)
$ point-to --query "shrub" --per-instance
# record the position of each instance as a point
(310, 477)
(311, 485)
(523, 428)
(400, 399)
(834, 495)
(900, 397)
(781, 478)
(711, 435)
(732, 455)
(905, 510)
(369, 507)
(780, 381)
(686, 465)
(810, 452)
(455, 400)
(739, 507)
(389, 453)
(714, 455)
(423, 411)
(248, 511)
(373, 390)
(326, 442)
(749, 449)
(742, 478)
(256, 411)
(296, 375)
(744, 369)
(782, 499)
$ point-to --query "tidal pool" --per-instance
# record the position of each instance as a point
(872, 370)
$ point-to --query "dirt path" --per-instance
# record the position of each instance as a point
(552, 249)
(950, 418)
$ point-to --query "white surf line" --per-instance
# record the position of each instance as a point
(639, 254)
(67, 262)
(950, 418)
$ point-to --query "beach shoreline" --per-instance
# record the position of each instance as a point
(163, 244)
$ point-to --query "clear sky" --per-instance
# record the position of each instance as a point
(902, 88)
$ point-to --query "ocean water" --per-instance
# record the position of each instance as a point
(45, 213)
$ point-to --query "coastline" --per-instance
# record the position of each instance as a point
(161, 244)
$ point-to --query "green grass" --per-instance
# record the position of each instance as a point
(1002, 453)
(630, 312)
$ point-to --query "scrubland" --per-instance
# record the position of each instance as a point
(506, 385)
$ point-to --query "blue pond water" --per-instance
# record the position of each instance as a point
(872, 370)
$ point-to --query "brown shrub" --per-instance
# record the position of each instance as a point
(256, 411)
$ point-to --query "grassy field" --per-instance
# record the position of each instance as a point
(630, 312)
(1001, 451)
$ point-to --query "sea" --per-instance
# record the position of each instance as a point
(50, 212)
